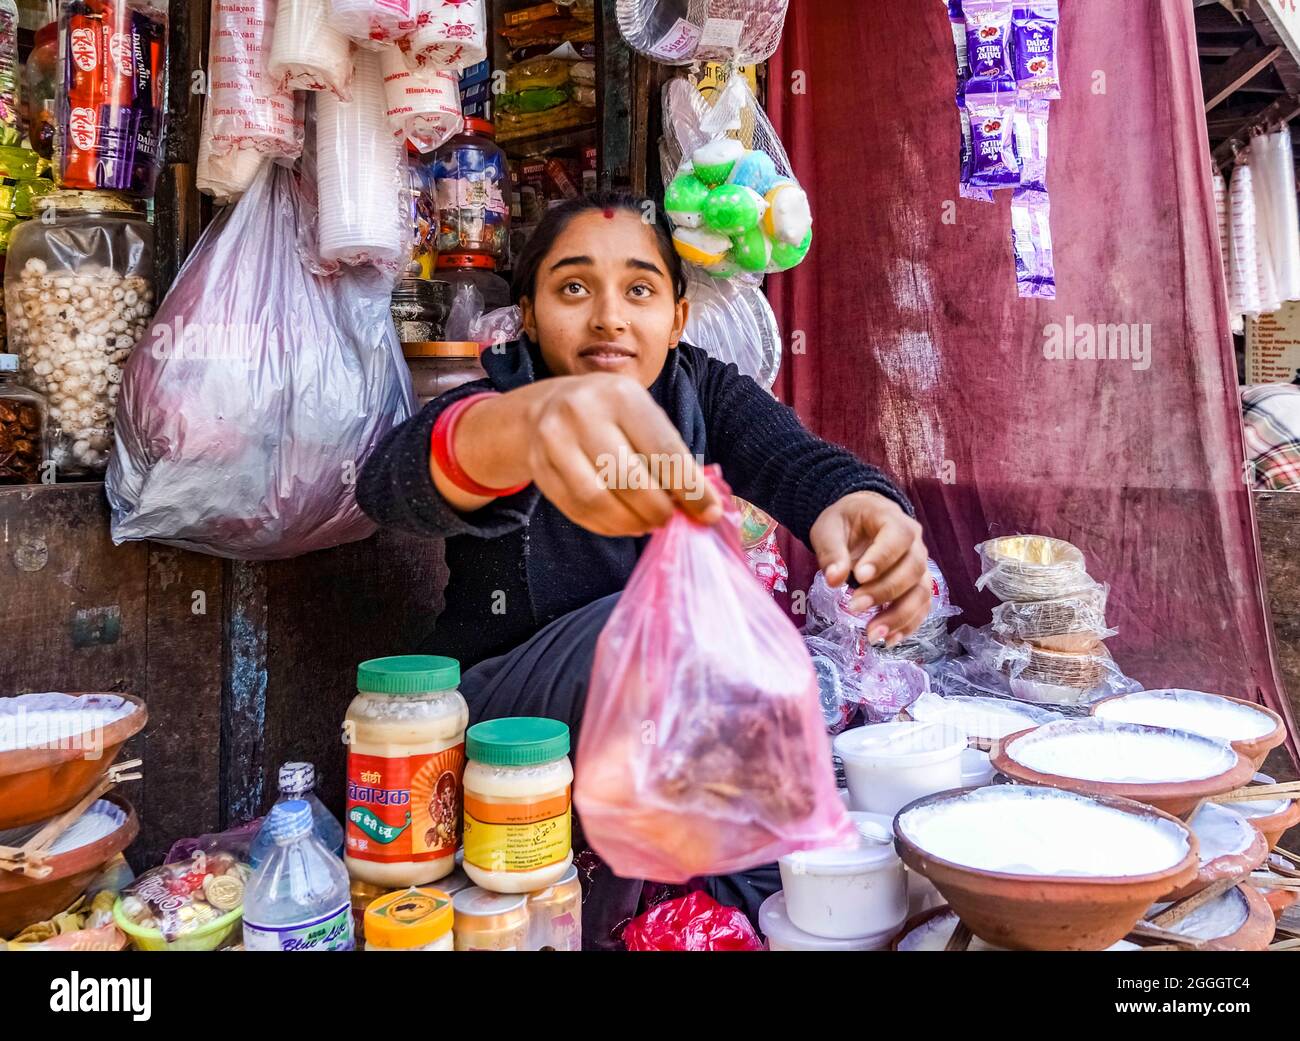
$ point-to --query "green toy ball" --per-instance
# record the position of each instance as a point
(732, 209)
(684, 200)
(752, 250)
(713, 162)
(785, 256)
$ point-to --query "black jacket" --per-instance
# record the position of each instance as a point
(518, 563)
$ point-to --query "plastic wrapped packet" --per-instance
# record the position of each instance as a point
(224, 177)
(881, 688)
(421, 104)
(991, 104)
(1032, 567)
(743, 32)
(373, 22)
(240, 431)
(1042, 676)
(695, 922)
(735, 205)
(307, 52)
(702, 750)
(733, 322)
(451, 35)
(1035, 28)
(1071, 623)
(504, 325)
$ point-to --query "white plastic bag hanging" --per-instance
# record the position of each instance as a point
(733, 322)
(241, 429)
(372, 22)
(307, 51)
(422, 104)
(734, 202)
(679, 32)
(452, 35)
(1243, 271)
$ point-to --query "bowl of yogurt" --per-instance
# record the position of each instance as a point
(1031, 868)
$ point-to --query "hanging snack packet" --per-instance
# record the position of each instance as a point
(966, 189)
(1031, 242)
(1031, 142)
(992, 108)
(988, 37)
(1035, 49)
(958, 22)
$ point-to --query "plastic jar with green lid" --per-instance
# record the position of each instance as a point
(412, 920)
(518, 803)
(405, 732)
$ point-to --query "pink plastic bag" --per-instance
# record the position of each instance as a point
(703, 750)
(695, 922)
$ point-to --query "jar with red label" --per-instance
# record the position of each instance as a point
(472, 184)
(405, 732)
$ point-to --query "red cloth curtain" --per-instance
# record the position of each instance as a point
(919, 355)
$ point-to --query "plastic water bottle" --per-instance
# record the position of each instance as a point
(299, 899)
(298, 781)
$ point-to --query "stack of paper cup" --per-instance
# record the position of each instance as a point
(360, 167)
(307, 53)
(247, 109)
(374, 22)
(451, 35)
(225, 177)
(422, 105)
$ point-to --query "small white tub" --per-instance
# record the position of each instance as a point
(889, 765)
(784, 935)
(844, 893)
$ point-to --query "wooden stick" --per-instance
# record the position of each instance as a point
(1147, 931)
(1177, 912)
(1256, 792)
(1276, 883)
(1287, 854)
(1285, 945)
(960, 938)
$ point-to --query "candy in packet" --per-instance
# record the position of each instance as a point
(1031, 142)
(1036, 49)
(1031, 242)
(992, 107)
(988, 37)
(966, 189)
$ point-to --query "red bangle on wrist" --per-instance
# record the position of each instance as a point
(440, 442)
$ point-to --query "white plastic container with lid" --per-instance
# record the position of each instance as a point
(487, 921)
(783, 935)
(414, 919)
(848, 892)
(405, 732)
(888, 765)
(518, 803)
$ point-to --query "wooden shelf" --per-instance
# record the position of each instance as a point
(550, 141)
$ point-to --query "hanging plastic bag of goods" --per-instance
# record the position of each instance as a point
(736, 208)
(679, 32)
(702, 749)
(263, 387)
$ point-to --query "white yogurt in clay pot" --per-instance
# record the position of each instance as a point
(934, 934)
(1021, 830)
(848, 892)
(1191, 710)
(888, 765)
(1121, 753)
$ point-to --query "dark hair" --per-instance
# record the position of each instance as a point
(557, 219)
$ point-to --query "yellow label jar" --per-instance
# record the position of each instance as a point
(490, 921)
(518, 804)
(412, 920)
(405, 732)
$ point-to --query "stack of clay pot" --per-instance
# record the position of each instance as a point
(1052, 618)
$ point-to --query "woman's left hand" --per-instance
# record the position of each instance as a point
(870, 535)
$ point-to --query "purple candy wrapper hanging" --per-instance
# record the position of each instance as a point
(1031, 142)
(1031, 242)
(988, 37)
(966, 189)
(958, 22)
(1036, 49)
(992, 108)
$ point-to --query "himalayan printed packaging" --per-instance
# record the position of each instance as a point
(1008, 69)
(113, 103)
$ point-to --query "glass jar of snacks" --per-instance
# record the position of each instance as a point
(22, 427)
(487, 921)
(415, 919)
(78, 298)
(518, 812)
(472, 184)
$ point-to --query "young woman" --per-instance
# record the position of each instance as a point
(513, 471)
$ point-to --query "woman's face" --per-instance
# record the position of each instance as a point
(603, 299)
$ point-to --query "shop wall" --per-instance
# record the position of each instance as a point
(919, 355)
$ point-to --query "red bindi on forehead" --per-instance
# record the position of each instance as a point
(609, 213)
